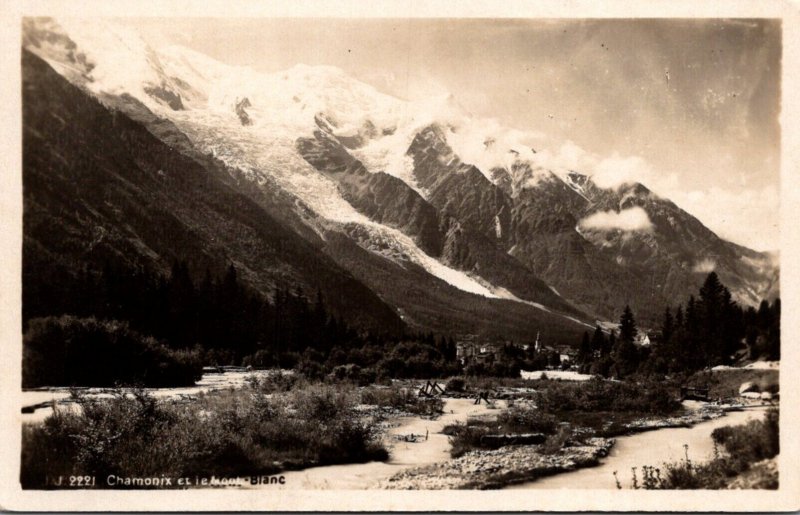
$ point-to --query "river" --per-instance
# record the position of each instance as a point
(649, 448)
(425, 451)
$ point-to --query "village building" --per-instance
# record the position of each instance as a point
(470, 351)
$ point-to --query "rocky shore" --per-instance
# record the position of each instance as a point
(487, 469)
(501, 467)
(686, 419)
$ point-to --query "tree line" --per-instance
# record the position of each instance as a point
(222, 322)
(711, 329)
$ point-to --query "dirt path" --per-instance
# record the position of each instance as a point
(403, 454)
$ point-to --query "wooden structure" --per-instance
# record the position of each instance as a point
(431, 389)
(483, 395)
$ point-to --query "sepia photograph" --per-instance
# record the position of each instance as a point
(275, 254)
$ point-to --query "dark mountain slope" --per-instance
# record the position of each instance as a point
(100, 187)
(679, 251)
(428, 303)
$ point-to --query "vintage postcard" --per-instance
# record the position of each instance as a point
(349, 257)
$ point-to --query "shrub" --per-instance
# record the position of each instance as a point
(70, 351)
(464, 437)
(311, 369)
(555, 442)
(354, 374)
(262, 358)
(754, 441)
(455, 384)
(527, 419)
(277, 382)
(127, 435)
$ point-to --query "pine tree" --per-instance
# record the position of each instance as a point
(610, 343)
(624, 353)
(667, 326)
(598, 341)
(690, 317)
(774, 332)
(679, 319)
(627, 326)
(709, 313)
(585, 349)
(731, 327)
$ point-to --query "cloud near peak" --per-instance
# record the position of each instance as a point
(705, 266)
(630, 220)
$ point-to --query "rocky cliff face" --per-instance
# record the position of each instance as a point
(447, 225)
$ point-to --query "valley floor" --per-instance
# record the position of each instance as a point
(419, 448)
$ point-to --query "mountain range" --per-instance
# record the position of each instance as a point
(404, 215)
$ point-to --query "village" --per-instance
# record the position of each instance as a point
(471, 350)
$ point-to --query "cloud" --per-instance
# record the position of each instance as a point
(633, 219)
(419, 87)
(487, 144)
(569, 157)
(616, 170)
(705, 266)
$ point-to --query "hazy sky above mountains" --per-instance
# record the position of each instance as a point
(689, 108)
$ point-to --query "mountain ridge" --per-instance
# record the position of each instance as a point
(395, 178)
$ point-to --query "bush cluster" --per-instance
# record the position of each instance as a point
(754, 441)
(70, 351)
(232, 433)
(598, 395)
(523, 419)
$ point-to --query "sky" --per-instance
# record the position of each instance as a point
(688, 107)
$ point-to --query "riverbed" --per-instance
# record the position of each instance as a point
(430, 446)
(649, 448)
